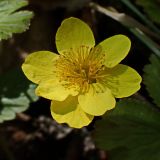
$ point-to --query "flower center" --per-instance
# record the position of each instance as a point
(80, 67)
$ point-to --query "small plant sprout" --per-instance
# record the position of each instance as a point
(83, 80)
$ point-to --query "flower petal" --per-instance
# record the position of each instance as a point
(73, 33)
(39, 66)
(115, 48)
(122, 80)
(96, 103)
(70, 112)
(54, 90)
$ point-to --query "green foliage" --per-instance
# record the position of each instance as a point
(15, 94)
(152, 8)
(152, 78)
(11, 20)
(130, 131)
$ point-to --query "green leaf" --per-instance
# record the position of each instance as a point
(11, 20)
(152, 78)
(130, 131)
(16, 92)
(151, 7)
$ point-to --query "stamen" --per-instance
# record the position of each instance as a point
(80, 67)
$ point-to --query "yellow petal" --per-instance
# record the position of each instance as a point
(73, 33)
(96, 102)
(39, 66)
(70, 112)
(115, 49)
(54, 90)
(122, 80)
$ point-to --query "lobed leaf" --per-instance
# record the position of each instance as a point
(130, 131)
(152, 78)
(15, 94)
(11, 20)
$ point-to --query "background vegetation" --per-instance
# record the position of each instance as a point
(128, 132)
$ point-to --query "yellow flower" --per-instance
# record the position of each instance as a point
(82, 81)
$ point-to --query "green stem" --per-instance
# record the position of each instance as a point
(146, 40)
(141, 16)
(132, 25)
